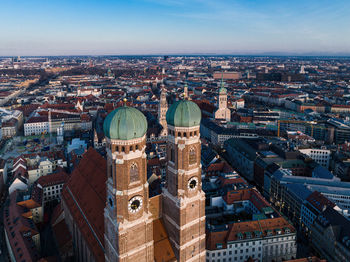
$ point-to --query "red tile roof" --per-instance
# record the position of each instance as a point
(319, 201)
(246, 194)
(85, 196)
(20, 230)
(230, 234)
(53, 179)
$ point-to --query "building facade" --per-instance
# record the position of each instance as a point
(321, 156)
(223, 112)
(162, 109)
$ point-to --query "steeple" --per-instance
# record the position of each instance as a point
(186, 91)
(223, 112)
(162, 109)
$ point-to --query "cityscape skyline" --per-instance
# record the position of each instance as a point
(152, 27)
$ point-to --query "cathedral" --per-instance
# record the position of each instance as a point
(132, 220)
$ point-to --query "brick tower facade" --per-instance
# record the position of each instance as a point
(183, 198)
(128, 222)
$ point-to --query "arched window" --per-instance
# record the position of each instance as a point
(192, 156)
(134, 173)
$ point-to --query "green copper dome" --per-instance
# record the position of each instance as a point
(184, 113)
(222, 90)
(125, 123)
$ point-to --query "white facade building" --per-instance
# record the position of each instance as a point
(320, 156)
(36, 128)
(44, 167)
(273, 245)
(52, 192)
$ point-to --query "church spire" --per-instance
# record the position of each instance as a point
(186, 91)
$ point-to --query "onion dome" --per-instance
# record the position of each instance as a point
(184, 113)
(125, 123)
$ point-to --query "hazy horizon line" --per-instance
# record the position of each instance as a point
(281, 54)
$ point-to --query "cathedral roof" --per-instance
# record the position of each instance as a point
(85, 196)
(184, 113)
(163, 250)
(125, 123)
(162, 247)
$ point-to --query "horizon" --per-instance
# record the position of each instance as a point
(167, 27)
(306, 55)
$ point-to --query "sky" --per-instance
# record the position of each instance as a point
(132, 27)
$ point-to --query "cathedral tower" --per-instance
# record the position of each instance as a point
(128, 223)
(183, 198)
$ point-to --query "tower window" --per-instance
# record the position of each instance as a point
(137, 147)
(117, 148)
(185, 134)
(192, 156)
(179, 134)
(134, 173)
(123, 149)
(131, 148)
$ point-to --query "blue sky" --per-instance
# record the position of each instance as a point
(93, 27)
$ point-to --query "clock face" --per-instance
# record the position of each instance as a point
(192, 183)
(135, 204)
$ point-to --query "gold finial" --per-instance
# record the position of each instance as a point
(125, 100)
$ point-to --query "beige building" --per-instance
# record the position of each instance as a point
(223, 112)
(162, 109)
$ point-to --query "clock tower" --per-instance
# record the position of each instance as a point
(162, 109)
(128, 222)
(223, 111)
(183, 198)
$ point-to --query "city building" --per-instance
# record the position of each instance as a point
(22, 237)
(282, 181)
(247, 228)
(51, 186)
(321, 156)
(11, 121)
(315, 203)
(330, 236)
